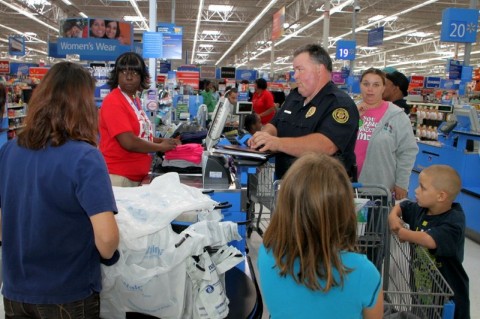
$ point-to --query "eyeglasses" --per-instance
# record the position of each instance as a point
(130, 73)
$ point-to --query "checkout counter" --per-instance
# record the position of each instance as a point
(224, 178)
(459, 148)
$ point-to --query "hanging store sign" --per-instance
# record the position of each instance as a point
(432, 82)
(454, 68)
(165, 66)
(416, 81)
(459, 25)
(249, 75)
(227, 73)
(16, 45)
(92, 49)
(93, 39)
(277, 24)
(172, 40)
(38, 72)
(207, 71)
(5, 67)
(190, 78)
(467, 73)
(346, 50)
(152, 45)
(375, 37)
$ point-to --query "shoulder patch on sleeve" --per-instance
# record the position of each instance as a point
(340, 115)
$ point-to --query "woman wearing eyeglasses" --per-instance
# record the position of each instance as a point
(126, 133)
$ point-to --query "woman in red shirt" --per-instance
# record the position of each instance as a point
(262, 101)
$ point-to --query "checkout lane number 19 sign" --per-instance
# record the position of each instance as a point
(459, 25)
(345, 50)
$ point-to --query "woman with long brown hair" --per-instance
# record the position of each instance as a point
(308, 264)
(57, 203)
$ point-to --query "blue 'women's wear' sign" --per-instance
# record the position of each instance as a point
(345, 50)
(92, 48)
(459, 25)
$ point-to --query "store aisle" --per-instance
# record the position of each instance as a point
(471, 262)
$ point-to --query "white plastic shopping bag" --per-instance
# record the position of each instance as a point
(209, 295)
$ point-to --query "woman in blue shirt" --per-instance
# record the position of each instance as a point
(57, 203)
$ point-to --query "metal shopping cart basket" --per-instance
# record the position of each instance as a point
(414, 287)
(261, 193)
(373, 204)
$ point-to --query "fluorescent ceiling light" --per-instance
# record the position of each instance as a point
(83, 14)
(420, 34)
(376, 18)
(133, 18)
(197, 27)
(245, 32)
(211, 32)
(28, 15)
(391, 18)
(398, 35)
(206, 45)
(219, 8)
(67, 2)
(31, 34)
(37, 2)
(139, 13)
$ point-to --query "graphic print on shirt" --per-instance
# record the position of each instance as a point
(365, 131)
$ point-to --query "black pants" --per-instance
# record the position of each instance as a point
(88, 308)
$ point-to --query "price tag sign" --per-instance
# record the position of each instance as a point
(459, 25)
(346, 50)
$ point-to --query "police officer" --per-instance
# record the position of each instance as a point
(316, 116)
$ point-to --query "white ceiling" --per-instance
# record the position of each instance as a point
(404, 50)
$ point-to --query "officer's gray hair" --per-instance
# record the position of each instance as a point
(317, 53)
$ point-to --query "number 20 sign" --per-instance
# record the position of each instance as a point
(345, 50)
(459, 25)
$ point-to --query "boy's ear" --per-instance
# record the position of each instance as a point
(442, 196)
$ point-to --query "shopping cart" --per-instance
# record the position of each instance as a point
(372, 221)
(414, 287)
(261, 193)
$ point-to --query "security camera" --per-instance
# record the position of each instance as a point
(357, 8)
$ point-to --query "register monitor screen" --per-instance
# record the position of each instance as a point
(243, 107)
(220, 115)
(467, 118)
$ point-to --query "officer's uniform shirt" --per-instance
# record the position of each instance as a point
(331, 112)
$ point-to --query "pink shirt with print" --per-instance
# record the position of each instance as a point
(368, 122)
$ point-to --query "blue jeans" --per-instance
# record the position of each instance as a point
(88, 308)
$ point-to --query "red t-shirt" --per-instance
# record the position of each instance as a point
(116, 117)
(262, 102)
